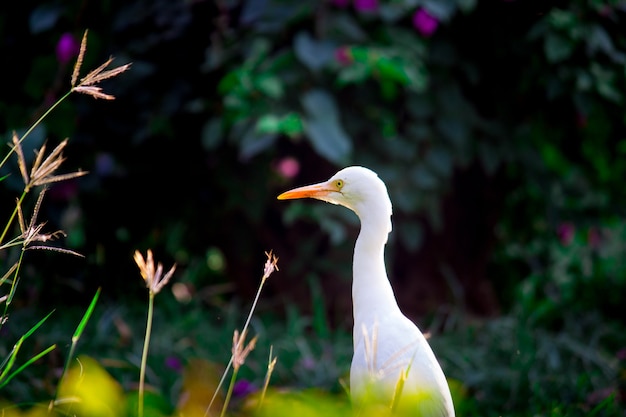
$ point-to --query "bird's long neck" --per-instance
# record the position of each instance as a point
(372, 295)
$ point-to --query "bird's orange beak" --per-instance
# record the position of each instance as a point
(318, 191)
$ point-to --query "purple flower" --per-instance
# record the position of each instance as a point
(565, 232)
(67, 48)
(174, 363)
(343, 56)
(366, 5)
(424, 22)
(243, 388)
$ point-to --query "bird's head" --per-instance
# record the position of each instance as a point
(356, 188)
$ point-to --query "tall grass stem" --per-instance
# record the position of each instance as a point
(144, 356)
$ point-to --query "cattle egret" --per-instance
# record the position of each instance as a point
(392, 362)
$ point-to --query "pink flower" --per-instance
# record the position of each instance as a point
(67, 48)
(424, 22)
(594, 237)
(366, 5)
(343, 56)
(565, 232)
(288, 167)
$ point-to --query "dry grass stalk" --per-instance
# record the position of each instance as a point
(32, 232)
(271, 265)
(154, 278)
(43, 170)
(268, 375)
(240, 353)
(87, 84)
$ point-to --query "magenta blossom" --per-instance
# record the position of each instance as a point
(565, 232)
(67, 48)
(243, 388)
(424, 22)
(288, 167)
(366, 5)
(343, 56)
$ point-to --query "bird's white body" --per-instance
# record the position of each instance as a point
(392, 362)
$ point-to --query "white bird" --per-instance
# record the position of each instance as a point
(392, 362)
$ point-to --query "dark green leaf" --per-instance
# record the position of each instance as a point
(328, 139)
(311, 52)
(253, 143)
(271, 86)
(557, 47)
(319, 104)
(44, 17)
(212, 134)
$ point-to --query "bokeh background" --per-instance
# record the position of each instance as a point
(499, 128)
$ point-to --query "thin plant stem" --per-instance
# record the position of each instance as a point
(229, 393)
(271, 363)
(12, 290)
(32, 127)
(243, 331)
(6, 228)
(144, 356)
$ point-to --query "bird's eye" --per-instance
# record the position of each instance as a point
(339, 184)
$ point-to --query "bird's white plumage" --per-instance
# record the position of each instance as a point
(386, 342)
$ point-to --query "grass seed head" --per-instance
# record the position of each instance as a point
(154, 278)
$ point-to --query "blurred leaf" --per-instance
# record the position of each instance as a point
(557, 47)
(311, 52)
(353, 74)
(268, 123)
(442, 10)
(319, 104)
(270, 85)
(328, 139)
(290, 124)
(95, 391)
(455, 130)
(347, 27)
(439, 160)
(253, 10)
(252, 144)
(605, 82)
(44, 17)
(467, 5)
(599, 40)
(423, 177)
(323, 128)
(212, 134)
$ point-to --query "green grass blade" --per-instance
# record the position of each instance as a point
(8, 363)
(36, 326)
(86, 316)
(77, 334)
(27, 364)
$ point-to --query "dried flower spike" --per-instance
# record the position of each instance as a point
(32, 232)
(240, 353)
(271, 265)
(43, 170)
(155, 280)
(87, 84)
